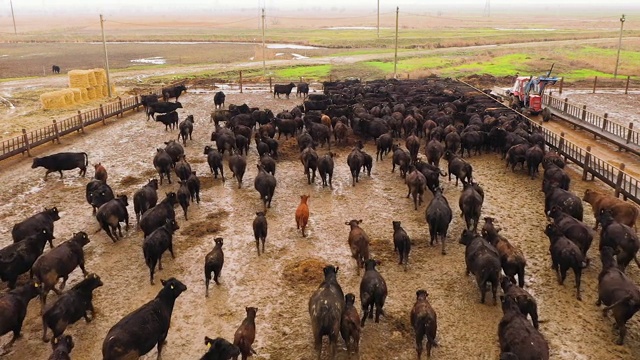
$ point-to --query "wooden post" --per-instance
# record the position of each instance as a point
(81, 122)
(561, 143)
(605, 121)
(561, 85)
(270, 85)
(626, 87)
(407, 76)
(629, 132)
(595, 82)
(121, 107)
(619, 180)
(240, 81)
(584, 112)
(26, 142)
(300, 78)
(549, 97)
(566, 104)
(56, 132)
(587, 161)
(102, 115)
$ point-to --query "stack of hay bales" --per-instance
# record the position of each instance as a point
(84, 85)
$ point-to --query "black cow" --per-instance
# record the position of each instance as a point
(218, 100)
(517, 336)
(138, 332)
(170, 120)
(55, 69)
(526, 302)
(154, 245)
(260, 228)
(459, 168)
(325, 168)
(145, 100)
(373, 291)
(326, 306)
(111, 214)
(438, 217)
(265, 184)
(483, 261)
(565, 255)
(424, 322)
(620, 237)
(157, 215)
(98, 193)
(214, 159)
(219, 349)
(470, 202)
(186, 128)
(283, 89)
(309, 159)
(193, 183)
(35, 224)
(70, 307)
(355, 160)
(174, 149)
(62, 161)
(173, 92)
(567, 201)
(18, 258)
(184, 197)
(162, 162)
(145, 198)
(62, 347)
(237, 165)
(269, 164)
(213, 263)
(162, 108)
(13, 309)
(58, 264)
(302, 88)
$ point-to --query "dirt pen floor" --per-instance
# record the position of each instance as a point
(280, 282)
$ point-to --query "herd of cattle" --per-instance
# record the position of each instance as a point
(449, 118)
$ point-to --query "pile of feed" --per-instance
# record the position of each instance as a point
(303, 272)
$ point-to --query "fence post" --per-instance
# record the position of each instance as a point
(26, 142)
(270, 85)
(57, 133)
(585, 167)
(549, 98)
(584, 112)
(605, 120)
(407, 76)
(561, 85)
(629, 132)
(121, 107)
(137, 103)
(595, 82)
(102, 115)
(626, 87)
(561, 143)
(300, 78)
(82, 122)
(240, 81)
(619, 179)
(566, 104)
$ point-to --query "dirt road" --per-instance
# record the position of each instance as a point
(277, 282)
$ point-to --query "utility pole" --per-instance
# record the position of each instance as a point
(395, 57)
(264, 64)
(106, 58)
(378, 19)
(615, 72)
(487, 9)
(15, 32)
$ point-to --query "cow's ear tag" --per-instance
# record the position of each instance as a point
(36, 285)
(171, 287)
(208, 345)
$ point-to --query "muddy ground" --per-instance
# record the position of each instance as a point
(280, 282)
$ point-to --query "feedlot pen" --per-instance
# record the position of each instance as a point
(280, 282)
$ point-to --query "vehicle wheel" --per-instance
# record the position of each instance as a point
(546, 114)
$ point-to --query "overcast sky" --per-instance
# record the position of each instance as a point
(138, 7)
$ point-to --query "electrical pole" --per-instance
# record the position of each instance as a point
(378, 19)
(15, 32)
(615, 72)
(106, 58)
(264, 64)
(395, 57)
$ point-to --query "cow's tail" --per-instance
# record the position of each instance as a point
(86, 159)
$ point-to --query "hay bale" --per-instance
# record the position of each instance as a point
(98, 91)
(92, 78)
(91, 93)
(100, 76)
(79, 78)
(68, 97)
(104, 89)
(305, 272)
(53, 100)
(85, 94)
(77, 95)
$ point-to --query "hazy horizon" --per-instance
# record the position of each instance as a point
(28, 8)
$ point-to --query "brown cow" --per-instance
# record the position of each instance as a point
(302, 213)
(101, 172)
(622, 211)
(358, 243)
